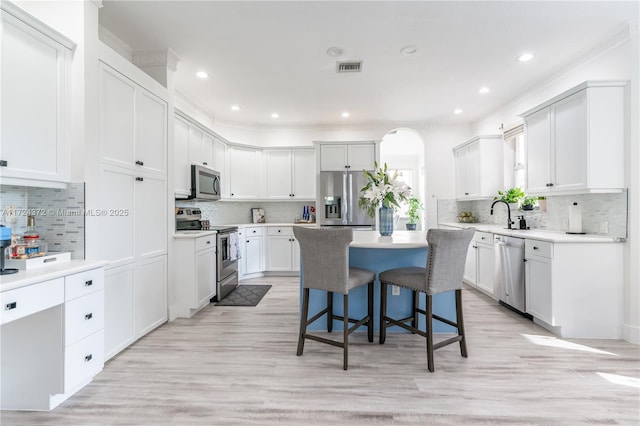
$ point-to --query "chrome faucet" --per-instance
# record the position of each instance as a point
(509, 222)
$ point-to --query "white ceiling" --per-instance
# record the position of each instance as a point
(271, 56)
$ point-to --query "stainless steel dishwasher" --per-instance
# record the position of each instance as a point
(509, 271)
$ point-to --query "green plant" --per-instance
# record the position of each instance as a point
(542, 197)
(415, 207)
(529, 201)
(382, 189)
(512, 195)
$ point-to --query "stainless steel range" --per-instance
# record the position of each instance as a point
(227, 249)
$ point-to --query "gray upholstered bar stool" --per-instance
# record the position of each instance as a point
(325, 266)
(445, 268)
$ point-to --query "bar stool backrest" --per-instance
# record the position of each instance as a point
(446, 258)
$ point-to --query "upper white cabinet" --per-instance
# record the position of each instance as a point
(575, 141)
(182, 169)
(479, 167)
(35, 100)
(290, 173)
(353, 156)
(244, 173)
(133, 124)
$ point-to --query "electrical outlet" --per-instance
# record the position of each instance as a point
(395, 290)
(10, 215)
(565, 224)
(604, 227)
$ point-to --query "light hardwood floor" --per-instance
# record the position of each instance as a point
(237, 366)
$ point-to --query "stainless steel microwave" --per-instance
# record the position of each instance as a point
(205, 183)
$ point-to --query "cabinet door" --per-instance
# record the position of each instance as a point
(33, 103)
(303, 165)
(117, 117)
(150, 216)
(295, 259)
(207, 150)
(333, 158)
(538, 142)
(278, 254)
(361, 156)
(254, 255)
(181, 165)
(118, 310)
(218, 157)
(150, 295)
(205, 276)
(117, 231)
(243, 173)
(473, 169)
(460, 158)
(538, 300)
(485, 267)
(242, 262)
(151, 132)
(195, 146)
(278, 165)
(470, 270)
(570, 143)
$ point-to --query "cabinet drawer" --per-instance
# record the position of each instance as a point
(538, 248)
(483, 237)
(18, 303)
(203, 243)
(253, 231)
(83, 360)
(81, 284)
(83, 316)
(280, 230)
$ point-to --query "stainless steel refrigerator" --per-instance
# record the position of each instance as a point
(337, 201)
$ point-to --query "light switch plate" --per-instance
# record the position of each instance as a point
(395, 290)
(604, 227)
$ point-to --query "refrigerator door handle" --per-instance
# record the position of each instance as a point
(345, 194)
(351, 196)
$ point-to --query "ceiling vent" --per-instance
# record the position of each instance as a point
(352, 66)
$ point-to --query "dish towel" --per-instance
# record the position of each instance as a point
(235, 247)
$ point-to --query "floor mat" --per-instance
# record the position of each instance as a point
(245, 295)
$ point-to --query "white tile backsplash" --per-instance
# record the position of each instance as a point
(236, 212)
(596, 209)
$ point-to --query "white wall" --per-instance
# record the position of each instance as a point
(617, 62)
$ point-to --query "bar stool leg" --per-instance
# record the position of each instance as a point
(370, 311)
(429, 324)
(345, 361)
(383, 312)
(329, 311)
(416, 301)
(460, 321)
(303, 320)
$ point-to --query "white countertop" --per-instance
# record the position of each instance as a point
(398, 240)
(193, 234)
(33, 276)
(536, 234)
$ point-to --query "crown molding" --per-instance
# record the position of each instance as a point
(193, 104)
(155, 58)
(108, 38)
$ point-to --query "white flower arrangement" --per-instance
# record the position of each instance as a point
(382, 189)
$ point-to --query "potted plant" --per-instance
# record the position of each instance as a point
(542, 203)
(415, 207)
(511, 196)
(529, 203)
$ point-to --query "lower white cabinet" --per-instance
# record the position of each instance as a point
(254, 250)
(479, 268)
(135, 302)
(53, 343)
(575, 289)
(282, 250)
(196, 286)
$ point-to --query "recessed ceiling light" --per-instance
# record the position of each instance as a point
(275, 115)
(409, 50)
(335, 51)
(484, 90)
(457, 111)
(525, 57)
(345, 114)
(235, 108)
(202, 75)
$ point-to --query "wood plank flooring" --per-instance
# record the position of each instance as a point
(237, 366)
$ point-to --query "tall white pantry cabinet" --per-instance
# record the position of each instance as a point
(133, 204)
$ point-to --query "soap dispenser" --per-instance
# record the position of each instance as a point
(522, 223)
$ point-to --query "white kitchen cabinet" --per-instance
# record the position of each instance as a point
(575, 141)
(254, 250)
(479, 267)
(479, 167)
(52, 339)
(219, 150)
(244, 173)
(118, 309)
(575, 289)
(290, 174)
(353, 156)
(181, 164)
(196, 258)
(133, 124)
(537, 270)
(200, 147)
(282, 250)
(35, 101)
(149, 295)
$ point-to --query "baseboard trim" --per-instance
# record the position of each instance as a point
(631, 333)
